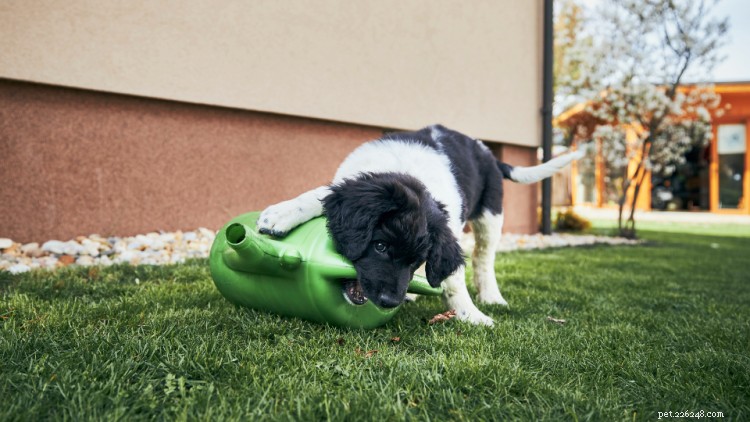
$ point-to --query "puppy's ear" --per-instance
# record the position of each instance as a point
(356, 206)
(445, 255)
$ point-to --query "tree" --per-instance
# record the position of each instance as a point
(638, 104)
(569, 37)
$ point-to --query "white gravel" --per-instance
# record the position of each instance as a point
(513, 242)
(147, 249)
(175, 247)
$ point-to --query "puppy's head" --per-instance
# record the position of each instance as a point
(388, 225)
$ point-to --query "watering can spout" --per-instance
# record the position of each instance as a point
(250, 252)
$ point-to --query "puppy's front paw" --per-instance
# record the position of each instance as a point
(474, 316)
(278, 220)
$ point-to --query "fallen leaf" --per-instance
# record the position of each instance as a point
(66, 260)
(445, 316)
(367, 354)
(395, 339)
(556, 320)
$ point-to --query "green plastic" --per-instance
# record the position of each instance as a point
(299, 275)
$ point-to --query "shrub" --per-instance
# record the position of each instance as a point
(568, 220)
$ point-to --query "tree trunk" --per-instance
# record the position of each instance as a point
(627, 229)
(621, 201)
(639, 178)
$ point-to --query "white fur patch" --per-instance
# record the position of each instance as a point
(456, 297)
(534, 174)
(428, 166)
(487, 232)
(281, 218)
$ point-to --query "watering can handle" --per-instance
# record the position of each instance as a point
(420, 286)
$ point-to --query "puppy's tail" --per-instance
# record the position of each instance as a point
(534, 174)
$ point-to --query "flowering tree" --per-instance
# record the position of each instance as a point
(633, 76)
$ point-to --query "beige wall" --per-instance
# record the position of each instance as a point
(475, 65)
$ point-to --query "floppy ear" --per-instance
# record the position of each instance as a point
(445, 255)
(356, 206)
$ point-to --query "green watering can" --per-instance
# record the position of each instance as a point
(300, 275)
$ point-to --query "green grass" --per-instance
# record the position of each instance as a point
(661, 327)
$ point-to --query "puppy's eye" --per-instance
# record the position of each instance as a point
(381, 247)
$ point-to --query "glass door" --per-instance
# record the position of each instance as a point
(731, 150)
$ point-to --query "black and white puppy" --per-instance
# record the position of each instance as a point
(402, 201)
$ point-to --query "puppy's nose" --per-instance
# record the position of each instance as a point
(388, 301)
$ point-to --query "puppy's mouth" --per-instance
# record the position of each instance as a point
(352, 290)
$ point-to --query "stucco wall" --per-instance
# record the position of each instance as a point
(519, 201)
(75, 162)
(389, 63)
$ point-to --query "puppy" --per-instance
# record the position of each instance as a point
(402, 201)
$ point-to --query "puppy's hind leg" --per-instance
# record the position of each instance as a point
(280, 219)
(487, 232)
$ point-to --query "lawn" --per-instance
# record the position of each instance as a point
(654, 328)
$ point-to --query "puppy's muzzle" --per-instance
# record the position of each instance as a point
(352, 290)
(387, 301)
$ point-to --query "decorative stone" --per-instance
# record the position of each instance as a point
(54, 246)
(126, 256)
(47, 262)
(90, 247)
(13, 250)
(85, 260)
(18, 268)
(32, 250)
(207, 233)
(28, 247)
(72, 248)
(5, 243)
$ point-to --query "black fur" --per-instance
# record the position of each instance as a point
(476, 170)
(396, 210)
(506, 169)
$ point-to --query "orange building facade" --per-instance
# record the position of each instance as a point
(715, 178)
(729, 174)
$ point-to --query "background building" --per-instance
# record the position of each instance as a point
(714, 178)
(127, 117)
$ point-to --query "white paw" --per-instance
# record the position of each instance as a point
(280, 219)
(491, 298)
(474, 316)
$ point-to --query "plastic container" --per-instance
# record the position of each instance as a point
(300, 275)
